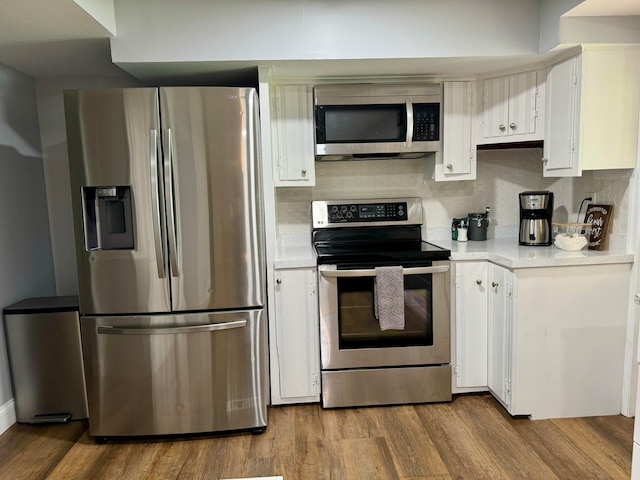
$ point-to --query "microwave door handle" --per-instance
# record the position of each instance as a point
(409, 138)
(330, 272)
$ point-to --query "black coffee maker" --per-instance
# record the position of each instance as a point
(536, 211)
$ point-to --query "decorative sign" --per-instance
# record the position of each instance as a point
(598, 216)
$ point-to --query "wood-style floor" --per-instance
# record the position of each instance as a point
(469, 438)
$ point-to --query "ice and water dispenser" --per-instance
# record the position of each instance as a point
(108, 219)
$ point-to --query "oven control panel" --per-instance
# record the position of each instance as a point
(369, 212)
(366, 212)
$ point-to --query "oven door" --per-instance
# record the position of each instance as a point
(350, 334)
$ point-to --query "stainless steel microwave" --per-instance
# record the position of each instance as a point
(377, 120)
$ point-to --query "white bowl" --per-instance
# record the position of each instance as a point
(568, 241)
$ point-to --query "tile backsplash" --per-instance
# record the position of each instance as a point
(501, 175)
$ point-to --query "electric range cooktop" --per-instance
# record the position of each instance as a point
(374, 232)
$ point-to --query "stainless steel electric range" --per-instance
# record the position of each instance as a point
(362, 363)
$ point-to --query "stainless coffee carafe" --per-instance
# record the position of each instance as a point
(536, 211)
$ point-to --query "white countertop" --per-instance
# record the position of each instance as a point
(294, 251)
(507, 253)
(297, 252)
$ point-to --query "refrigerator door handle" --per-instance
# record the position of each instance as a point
(107, 330)
(155, 201)
(171, 213)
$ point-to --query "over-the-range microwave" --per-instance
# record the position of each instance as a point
(377, 120)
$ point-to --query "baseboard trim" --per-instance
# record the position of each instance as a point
(7, 416)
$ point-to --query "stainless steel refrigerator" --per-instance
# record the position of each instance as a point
(168, 224)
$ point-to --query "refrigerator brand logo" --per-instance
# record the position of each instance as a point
(240, 404)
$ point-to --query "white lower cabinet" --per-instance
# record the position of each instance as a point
(557, 339)
(469, 352)
(635, 462)
(295, 362)
(500, 333)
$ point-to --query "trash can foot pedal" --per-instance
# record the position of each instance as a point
(51, 418)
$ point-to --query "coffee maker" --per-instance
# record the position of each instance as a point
(536, 210)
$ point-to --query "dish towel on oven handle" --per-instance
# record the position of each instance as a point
(388, 302)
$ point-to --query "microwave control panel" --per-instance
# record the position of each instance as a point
(426, 122)
(370, 212)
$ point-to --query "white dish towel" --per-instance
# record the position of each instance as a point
(389, 298)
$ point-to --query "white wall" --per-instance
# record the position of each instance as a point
(56, 168)
(600, 29)
(550, 11)
(102, 10)
(501, 176)
(26, 267)
(168, 31)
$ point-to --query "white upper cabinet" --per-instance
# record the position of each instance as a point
(512, 107)
(592, 111)
(292, 136)
(457, 161)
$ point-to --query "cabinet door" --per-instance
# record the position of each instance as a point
(495, 107)
(470, 323)
(511, 108)
(523, 113)
(292, 136)
(563, 113)
(458, 160)
(296, 342)
(500, 333)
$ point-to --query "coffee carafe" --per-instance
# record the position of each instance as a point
(536, 211)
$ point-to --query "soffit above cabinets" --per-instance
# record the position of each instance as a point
(48, 38)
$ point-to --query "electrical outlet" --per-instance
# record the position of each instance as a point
(592, 195)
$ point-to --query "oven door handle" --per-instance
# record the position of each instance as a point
(331, 272)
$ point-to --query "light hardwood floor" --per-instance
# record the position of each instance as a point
(470, 438)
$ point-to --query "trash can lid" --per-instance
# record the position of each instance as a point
(43, 305)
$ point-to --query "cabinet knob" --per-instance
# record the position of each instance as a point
(278, 281)
(450, 167)
(303, 172)
(545, 160)
(495, 284)
(513, 126)
(479, 282)
(502, 128)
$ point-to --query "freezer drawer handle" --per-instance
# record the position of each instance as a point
(155, 201)
(370, 272)
(107, 330)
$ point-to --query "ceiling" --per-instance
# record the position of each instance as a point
(50, 38)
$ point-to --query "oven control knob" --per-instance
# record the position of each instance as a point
(353, 208)
(334, 209)
(349, 215)
(343, 208)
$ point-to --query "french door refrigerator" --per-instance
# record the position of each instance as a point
(170, 257)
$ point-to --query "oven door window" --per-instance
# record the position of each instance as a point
(359, 327)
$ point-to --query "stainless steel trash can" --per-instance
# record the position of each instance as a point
(45, 359)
